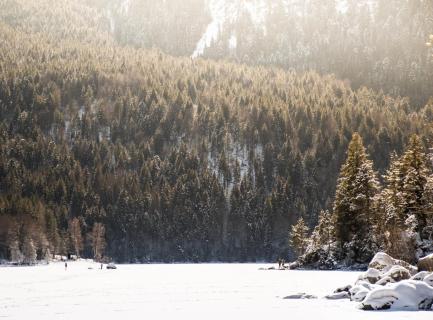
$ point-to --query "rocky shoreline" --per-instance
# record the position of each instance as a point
(388, 283)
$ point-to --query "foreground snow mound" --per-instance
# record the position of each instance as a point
(420, 276)
(429, 279)
(406, 294)
(384, 262)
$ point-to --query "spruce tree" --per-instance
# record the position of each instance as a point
(322, 235)
(299, 236)
(354, 210)
(29, 251)
(393, 232)
(415, 172)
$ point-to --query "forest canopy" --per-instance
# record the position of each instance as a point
(112, 148)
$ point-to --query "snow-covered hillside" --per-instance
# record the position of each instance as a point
(224, 12)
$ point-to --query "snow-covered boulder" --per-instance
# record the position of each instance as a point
(301, 296)
(360, 290)
(359, 294)
(397, 273)
(372, 275)
(338, 295)
(383, 262)
(342, 289)
(420, 275)
(426, 263)
(385, 280)
(406, 294)
(429, 279)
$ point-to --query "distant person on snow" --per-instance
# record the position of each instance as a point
(66, 265)
(102, 266)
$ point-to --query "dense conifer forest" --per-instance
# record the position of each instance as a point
(112, 146)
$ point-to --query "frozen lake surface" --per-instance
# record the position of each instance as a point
(181, 291)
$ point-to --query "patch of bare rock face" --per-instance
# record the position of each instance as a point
(392, 284)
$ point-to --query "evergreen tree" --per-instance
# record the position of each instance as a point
(76, 236)
(29, 251)
(98, 240)
(323, 233)
(392, 230)
(355, 202)
(298, 237)
(415, 172)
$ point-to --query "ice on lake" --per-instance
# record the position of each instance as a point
(181, 291)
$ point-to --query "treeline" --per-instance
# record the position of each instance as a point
(109, 150)
(367, 216)
(379, 44)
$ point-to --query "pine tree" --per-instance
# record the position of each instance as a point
(428, 209)
(393, 232)
(323, 233)
(298, 238)
(14, 244)
(76, 237)
(415, 172)
(354, 206)
(29, 251)
(98, 240)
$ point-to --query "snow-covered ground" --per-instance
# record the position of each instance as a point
(181, 291)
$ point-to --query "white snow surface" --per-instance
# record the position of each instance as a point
(406, 294)
(180, 291)
(227, 11)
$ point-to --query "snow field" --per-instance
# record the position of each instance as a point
(181, 291)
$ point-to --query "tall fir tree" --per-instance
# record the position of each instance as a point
(354, 210)
(298, 238)
(393, 232)
(414, 168)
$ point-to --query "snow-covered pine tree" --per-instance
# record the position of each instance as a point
(75, 235)
(298, 237)
(354, 210)
(428, 209)
(320, 247)
(29, 251)
(395, 238)
(323, 233)
(98, 240)
(414, 168)
(16, 255)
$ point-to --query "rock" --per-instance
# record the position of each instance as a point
(301, 296)
(293, 265)
(398, 273)
(426, 263)
(343, 289)
(339, 295)
(420, 276)
(383, 262)
(372, 275)
(360, 294)
(429, 279)
(404, 295)
(384, 281)
(269, 268)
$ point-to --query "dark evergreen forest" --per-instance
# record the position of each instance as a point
(169, 158)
